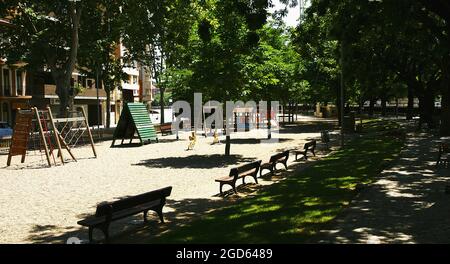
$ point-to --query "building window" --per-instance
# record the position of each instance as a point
(6, 83)
(5, 113)
(90, 83)
(135, 79)
(19, 82)
(81, 80)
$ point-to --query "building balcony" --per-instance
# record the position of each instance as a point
(128, 86)
(89, 93)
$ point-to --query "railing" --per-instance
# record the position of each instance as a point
(50, 89)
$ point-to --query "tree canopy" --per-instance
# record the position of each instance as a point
(237, 50)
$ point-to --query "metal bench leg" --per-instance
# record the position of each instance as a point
(105, 230)
(145, 216)
(221, 185)
(234, 187)
(285, 164)
(160, 214)
(256, 177)
(91, 229)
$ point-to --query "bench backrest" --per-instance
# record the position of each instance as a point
(310, 145)
(279, 156)
(166, 126)
(245, 168)
(129, 202)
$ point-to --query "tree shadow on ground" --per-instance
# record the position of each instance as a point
(308, 127)
(177, 213)
(407, 203)
(127, 145)
(195, 161)
(257, 141)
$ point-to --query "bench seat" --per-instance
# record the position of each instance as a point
(274, 160)
(98, 220)
(247, 170)
(108, 212)
(309, 146)
(230, 178)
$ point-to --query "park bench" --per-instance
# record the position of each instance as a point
(250, 169)
(309, 146)
(274, 160)
(108, 212)
(325, 137)
(164, 129)
(444, 153)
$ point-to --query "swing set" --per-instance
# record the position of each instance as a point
(38, 130)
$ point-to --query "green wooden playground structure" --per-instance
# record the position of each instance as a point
(135, 119)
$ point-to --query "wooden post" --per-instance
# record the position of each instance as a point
(55, 130)
(67, 147)
(89, 132)
(41, 132)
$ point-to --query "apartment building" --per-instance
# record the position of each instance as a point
(22, 89)
(136, 88)
(13, 86)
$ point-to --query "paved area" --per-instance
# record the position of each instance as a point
(406, 204)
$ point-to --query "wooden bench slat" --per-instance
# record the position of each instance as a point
(96, 220)
(250, 169)
(112, 211)
(274, 160)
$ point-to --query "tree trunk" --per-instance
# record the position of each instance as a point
(108, 107)
(410, 111)
(62, 90)
(161, 103)
(445, 103)
(396, 108)
(426, 109)
(338, 104)
(227, 145)
(383, 106)
(371, 107)
(269, 117)
(445, 112)
(361, 107)
(63, 76)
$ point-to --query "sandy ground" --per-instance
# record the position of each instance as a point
(42, 205)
